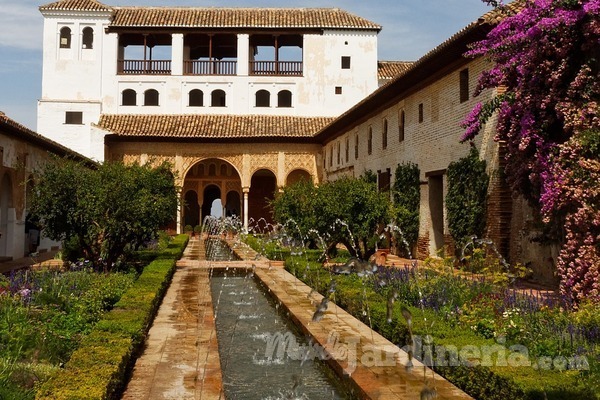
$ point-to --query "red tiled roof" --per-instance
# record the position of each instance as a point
(15, 129)
(214, 17)
(212, 126)
(391, 69)
(76, 5)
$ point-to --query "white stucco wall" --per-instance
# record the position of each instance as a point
(86, 80)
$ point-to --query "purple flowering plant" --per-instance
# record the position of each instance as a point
(545, 56)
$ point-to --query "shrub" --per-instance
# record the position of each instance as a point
(98, 368)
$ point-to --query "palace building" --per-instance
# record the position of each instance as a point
(243, 101)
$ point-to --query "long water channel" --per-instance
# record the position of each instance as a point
(263, 354)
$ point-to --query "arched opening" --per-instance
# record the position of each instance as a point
(233, 205)
(6, 204)
(263, 98)
(87, 39)
(151, 97)
(191, 213)
(218, 98)
(284, 98)
(196, 98)
(262, 191)
(212, 193)
(296, 176)
(129, 97)
(65, 37)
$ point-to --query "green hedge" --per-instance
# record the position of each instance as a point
(489, 383)
(98, 368)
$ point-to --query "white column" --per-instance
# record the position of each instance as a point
(177, 54)
(243, 54)
(179, 212)
(246, 192)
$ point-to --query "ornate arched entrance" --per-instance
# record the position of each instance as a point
(262, 191)
(213, 181)
(297, 175)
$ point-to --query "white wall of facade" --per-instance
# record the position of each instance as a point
(431, 144)
(86, 80)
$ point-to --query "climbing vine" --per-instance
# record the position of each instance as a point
(407, 196)
(466, 199)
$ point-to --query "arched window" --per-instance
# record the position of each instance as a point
(384, 135)
(284, 98)
(370, 141)
(65, 37)
(151, 97)
(87, 41)
(401, 121)
(263, 98)
(196, 98)
(129, 97)
(218, 98)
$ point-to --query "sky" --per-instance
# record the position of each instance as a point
(410, 29)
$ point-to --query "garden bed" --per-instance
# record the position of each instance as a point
(49, 318)
(496, 342)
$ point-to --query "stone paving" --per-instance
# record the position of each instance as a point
(181, 358)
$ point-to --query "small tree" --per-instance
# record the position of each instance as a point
(350, 201)
(104, 210)
(466, 199)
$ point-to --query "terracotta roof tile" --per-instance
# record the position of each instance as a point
(212, 126)
(78, 5)
(391, 69)
(8, 125)
(239, 18)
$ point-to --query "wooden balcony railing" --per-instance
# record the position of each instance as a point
(214, 67)
(280, 68)
(144, 67)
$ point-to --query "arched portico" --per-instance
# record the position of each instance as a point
(297, 175)
(262, 189)
(205, 182)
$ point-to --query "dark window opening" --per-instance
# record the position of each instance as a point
(284, 98)
(338, 90)
(87, 40)
(345, 62)
(401, 124)
(370, 142)
(347, 149)
(383, 180)
(356, 148)
(151, 97)
(339, 159)
(384, 135)
(218, 98)
(129, 97)
(420, 112)
(74, 118)
(331, 156)
(65, 38)
(196, 98)
(263, 98)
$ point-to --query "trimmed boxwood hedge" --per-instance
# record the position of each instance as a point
(99, 367)
(489, 383)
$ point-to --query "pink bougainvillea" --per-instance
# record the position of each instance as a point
(546, 55)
